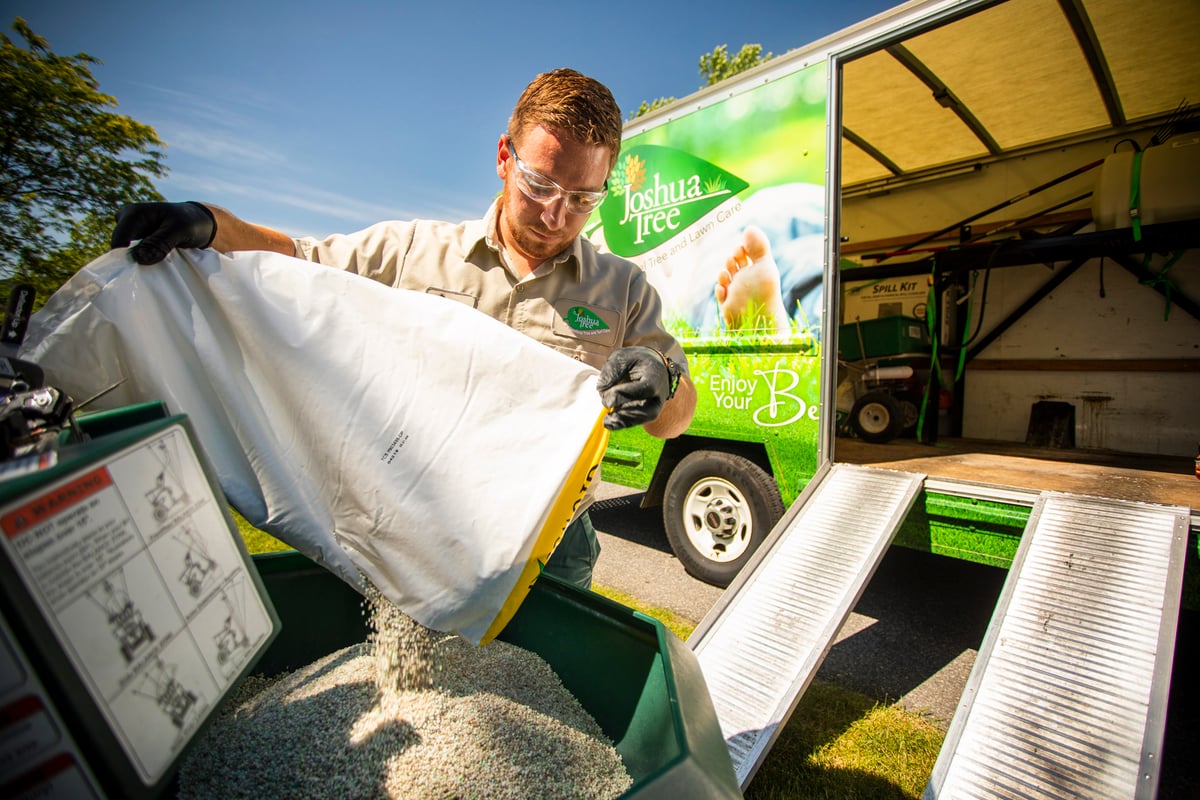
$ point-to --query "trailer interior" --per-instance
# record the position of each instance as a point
(986, 190)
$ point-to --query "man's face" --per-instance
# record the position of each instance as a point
(535, 230)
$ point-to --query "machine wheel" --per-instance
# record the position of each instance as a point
(910, 411)
(717, 510)
(877, 417)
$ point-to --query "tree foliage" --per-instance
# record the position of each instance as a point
(714, 67)
(717, 65)
(67, 162)
(654, 105)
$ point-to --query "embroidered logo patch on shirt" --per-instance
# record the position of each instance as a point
(584, 321)
(581, 319)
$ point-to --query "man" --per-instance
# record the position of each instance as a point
(524, 264)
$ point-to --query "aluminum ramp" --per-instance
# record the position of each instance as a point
(1067, 698)
(763, 641)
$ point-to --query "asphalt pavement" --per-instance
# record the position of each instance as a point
(911, 639)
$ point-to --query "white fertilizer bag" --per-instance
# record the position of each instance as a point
(376, 429)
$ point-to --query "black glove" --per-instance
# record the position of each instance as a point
(162, 227)
(635, 383)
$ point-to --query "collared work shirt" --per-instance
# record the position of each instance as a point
(582, 303)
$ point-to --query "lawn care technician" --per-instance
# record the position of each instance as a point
(524, 264)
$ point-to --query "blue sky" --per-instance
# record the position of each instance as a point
(323, 117)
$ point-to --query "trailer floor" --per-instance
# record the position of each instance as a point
(1103, 473)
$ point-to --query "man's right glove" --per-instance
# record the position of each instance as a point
(162, 227)
(634, 383)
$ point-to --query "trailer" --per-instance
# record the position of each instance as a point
(946, 189)
(936, 276)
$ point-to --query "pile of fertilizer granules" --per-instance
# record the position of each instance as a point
(410, 714)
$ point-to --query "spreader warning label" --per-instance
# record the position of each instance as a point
(139, 577)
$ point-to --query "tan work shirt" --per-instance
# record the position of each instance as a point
(581, 302)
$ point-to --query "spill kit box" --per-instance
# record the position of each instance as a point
(884, 297)
(886, 336)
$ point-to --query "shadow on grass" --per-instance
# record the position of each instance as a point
(845, 745)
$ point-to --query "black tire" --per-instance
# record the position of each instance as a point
(910, 411)
(877, 417)
(717, 510)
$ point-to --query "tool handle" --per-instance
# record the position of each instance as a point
(16, 316)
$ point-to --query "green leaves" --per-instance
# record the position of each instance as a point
(715, 66)
(67, 162)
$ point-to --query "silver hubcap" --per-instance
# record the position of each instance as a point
(717, 519)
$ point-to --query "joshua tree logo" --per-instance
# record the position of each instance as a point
(579, 318)
(656, 192)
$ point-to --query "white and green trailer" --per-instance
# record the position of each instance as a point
(947, 233)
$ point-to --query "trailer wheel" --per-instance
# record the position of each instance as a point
(877, 417)
(717, 509)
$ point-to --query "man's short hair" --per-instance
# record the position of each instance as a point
(567, 101)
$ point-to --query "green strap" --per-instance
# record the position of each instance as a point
(1135, 196)
(1162, 280)
(966, 335)
(934, 367)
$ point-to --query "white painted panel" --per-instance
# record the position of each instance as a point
(1136, 412)
(1101, 311)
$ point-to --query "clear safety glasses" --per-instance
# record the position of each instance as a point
(540, 189)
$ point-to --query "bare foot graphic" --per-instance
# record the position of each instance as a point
(748, 289)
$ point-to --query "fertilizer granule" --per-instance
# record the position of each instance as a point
(409, 714)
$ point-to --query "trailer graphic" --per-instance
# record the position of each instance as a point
(729, 227)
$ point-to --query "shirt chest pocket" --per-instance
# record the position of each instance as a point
(461, 297)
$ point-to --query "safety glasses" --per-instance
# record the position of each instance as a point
(540, 189)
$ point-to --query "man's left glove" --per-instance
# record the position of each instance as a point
(634, 383)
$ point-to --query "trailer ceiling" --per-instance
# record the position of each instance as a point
(1017, 75)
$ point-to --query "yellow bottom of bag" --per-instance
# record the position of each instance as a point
(562, 511)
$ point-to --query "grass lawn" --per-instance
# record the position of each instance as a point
(838, 745)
